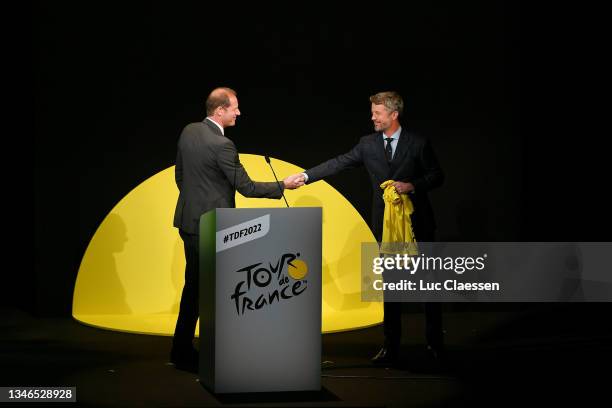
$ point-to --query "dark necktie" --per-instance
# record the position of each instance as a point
(388, 150)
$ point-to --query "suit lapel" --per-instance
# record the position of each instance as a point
(379, 149)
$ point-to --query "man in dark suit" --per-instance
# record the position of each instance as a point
(208, 173)
(392, 153)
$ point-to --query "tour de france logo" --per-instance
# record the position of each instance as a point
(262, 286)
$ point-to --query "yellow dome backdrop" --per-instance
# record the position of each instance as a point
(132, 274)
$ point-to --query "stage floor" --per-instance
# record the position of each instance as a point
(497, 356)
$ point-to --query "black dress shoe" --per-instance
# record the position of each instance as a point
(185, 359)
(386, 355)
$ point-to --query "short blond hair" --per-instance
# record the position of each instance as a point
(390, 99)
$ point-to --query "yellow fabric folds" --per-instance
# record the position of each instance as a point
(398, 237)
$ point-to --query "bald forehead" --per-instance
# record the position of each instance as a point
(219, 93)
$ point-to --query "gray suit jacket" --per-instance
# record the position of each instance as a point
(208, 172)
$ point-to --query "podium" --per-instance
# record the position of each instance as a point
(260, 299)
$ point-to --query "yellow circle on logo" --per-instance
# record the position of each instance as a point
(297, 269)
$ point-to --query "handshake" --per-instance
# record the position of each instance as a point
(294, 181)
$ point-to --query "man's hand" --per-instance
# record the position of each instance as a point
(403, 188)
(294, 181)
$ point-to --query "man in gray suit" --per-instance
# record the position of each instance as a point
(208, 173)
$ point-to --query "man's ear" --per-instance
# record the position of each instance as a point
(394, 115)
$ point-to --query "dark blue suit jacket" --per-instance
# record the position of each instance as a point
(414, 161)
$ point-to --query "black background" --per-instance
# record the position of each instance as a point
(488, 82)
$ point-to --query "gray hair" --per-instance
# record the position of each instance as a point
(392, 101)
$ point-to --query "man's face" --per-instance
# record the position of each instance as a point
(229, 114)
(382, 118)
